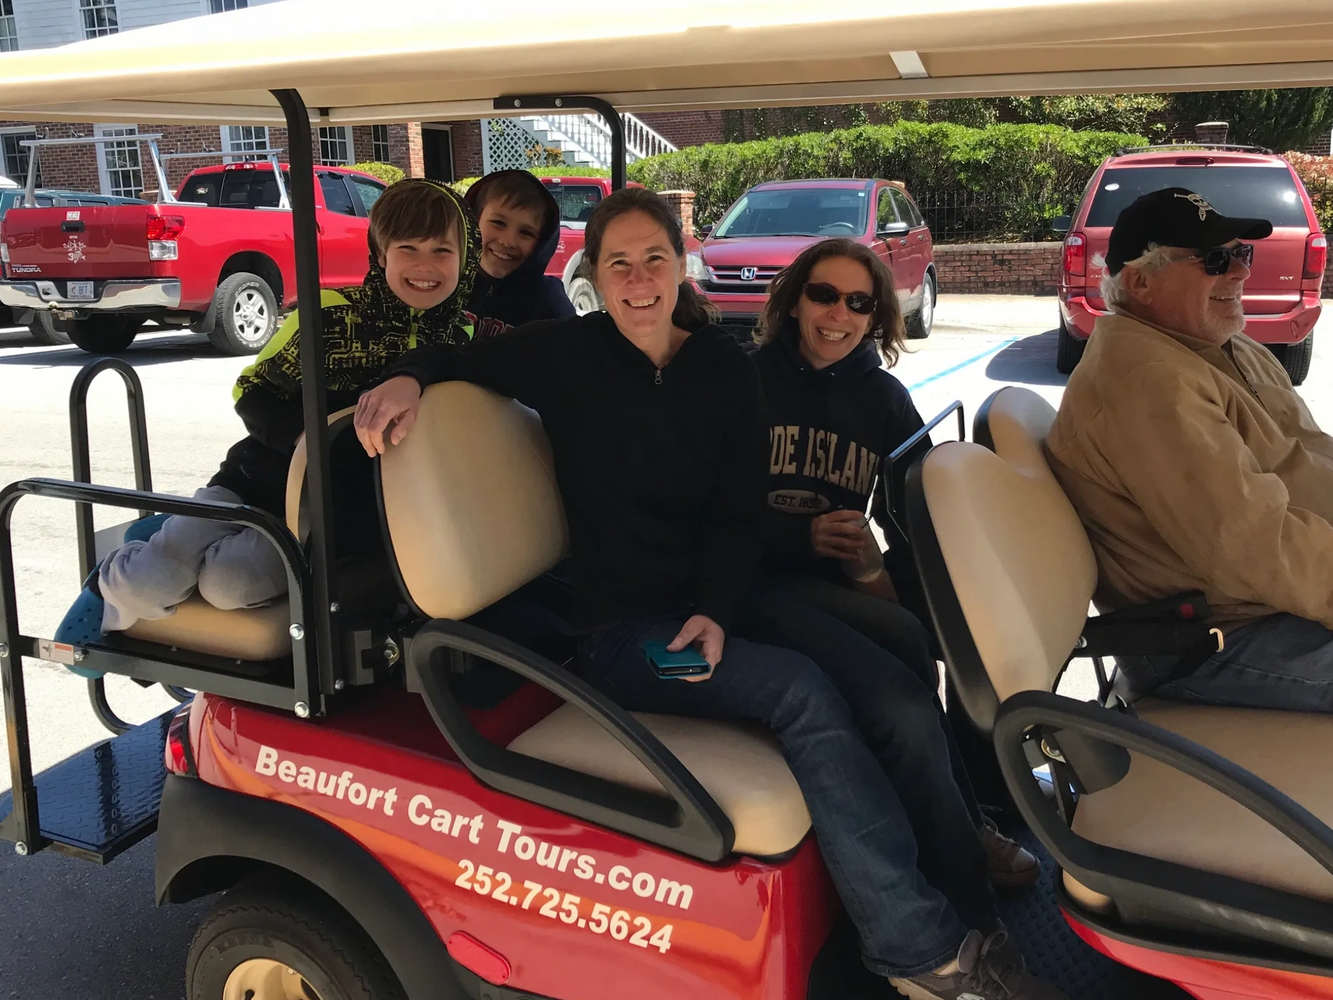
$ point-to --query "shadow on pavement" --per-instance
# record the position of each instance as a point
(147, 350)
(1030, 361)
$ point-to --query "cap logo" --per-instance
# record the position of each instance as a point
(1198, 202)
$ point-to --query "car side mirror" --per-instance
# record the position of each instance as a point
(1061, 224)
(894, 229)
(704, 231)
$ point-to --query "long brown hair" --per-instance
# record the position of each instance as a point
(692, 309)
(886, 323)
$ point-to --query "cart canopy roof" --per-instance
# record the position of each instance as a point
(409, 60)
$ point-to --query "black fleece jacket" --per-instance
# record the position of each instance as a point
(830, 431)
(662, 470)
(527, 294)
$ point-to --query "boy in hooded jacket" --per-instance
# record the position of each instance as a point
(424, 250)
(519, 223)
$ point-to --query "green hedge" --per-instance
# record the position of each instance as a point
(1019, 176)
(462, 185)
(386, 172)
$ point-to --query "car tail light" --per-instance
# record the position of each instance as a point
(1076, 254)
(1316, 255)
(162, 232)
(179, 757)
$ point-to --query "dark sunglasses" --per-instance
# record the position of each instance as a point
(823, 294)
(1218, 261)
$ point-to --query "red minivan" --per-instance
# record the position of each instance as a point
(772, 223)
(1281, 297)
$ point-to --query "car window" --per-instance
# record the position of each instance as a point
(884, 211)
(907, 210)
(336, 196)
(797, 212)
(576, 201)
(1251, 192)
(367, 190)
(234, 189)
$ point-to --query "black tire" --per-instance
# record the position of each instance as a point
(1068, 351)
(294, 936)
(1295, 358)
(106, 334)
(583, 296)
(43, 331)
(921, 322)
(246, 312)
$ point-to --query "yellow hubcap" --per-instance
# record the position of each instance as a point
(265, 979)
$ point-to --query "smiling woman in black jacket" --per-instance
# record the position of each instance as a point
(657, 426)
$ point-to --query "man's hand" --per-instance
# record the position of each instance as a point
(707, 636)
(838, 535)
(392, 404)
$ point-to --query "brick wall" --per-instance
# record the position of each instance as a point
(686, 128)
(467, 148)
(999, 268)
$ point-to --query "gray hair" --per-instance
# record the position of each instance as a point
(1113, 290)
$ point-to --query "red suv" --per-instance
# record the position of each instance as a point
(1281, 297)
(773, 222)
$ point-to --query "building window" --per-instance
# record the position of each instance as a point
(335, 146)
(16, 156)
(99, 18)
(219, 6)
(122, 170)
(9, 35)
(379, 142)
(244, 139)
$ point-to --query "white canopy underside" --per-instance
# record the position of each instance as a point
(411, 60)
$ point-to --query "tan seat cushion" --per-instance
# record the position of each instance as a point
(1159, 812)
(247, 634)
(740, 766)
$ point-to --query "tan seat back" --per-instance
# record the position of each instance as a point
(471, 501)
(295, 507)
(1016, 552)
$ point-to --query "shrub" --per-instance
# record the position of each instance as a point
(1316, 172)
(386, 172)
(1016, 176)
(462, 185)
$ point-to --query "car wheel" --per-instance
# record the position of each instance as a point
(43, 331)
(246, 314)
(584, 296)
(284, 942)
(1295, 358)
(1068, 351)
(107, 334)
(922, 322)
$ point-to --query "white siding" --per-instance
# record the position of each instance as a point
(42, 23)
(140, 13)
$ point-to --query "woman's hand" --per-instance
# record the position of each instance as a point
(838, 535)
(395, 403)
(705, 634)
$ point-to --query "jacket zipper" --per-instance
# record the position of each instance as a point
(657, 378)
(1230, 353)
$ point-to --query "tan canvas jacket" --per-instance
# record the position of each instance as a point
(1197, 467)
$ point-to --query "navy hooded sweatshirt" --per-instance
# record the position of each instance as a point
(527, 294)
(830, 433)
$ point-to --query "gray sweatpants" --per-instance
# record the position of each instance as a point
(230, 565)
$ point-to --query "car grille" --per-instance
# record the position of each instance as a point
(728, 279)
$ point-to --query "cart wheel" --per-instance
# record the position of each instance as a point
(108, 334)
(583, 296)
(247, 314)
(284, 942)
(43, 331)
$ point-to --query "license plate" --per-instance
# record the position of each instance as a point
(79, 290)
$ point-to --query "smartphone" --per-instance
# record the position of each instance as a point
(686, 663)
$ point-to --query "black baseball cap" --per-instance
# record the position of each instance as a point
(1175, 217)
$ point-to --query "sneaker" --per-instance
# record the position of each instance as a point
(1008, 864)
(984, 970)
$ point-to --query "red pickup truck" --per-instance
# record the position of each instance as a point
(217, 258)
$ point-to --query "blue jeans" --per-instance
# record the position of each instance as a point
(1281, 662)
(864, 740)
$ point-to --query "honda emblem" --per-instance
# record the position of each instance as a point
(748, 273)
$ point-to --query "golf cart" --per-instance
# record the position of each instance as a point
(424, 799)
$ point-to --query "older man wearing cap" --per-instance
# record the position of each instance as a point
(1195, 465)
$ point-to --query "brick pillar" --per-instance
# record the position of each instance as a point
(409, 155)
(682, 203)
(1211, 132)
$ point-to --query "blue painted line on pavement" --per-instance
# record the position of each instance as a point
(962, 364)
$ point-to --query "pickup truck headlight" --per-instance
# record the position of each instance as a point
(695, 268)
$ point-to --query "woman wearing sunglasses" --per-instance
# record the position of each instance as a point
(831, 325)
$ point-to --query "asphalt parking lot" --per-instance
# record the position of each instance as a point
(69, 929)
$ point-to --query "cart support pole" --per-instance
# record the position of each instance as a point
(572, 103)
(22, 826)
(305, 237)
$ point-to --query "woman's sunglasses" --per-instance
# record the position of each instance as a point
(1218, 261)
(823, 294)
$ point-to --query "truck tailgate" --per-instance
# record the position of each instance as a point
(92, 241)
